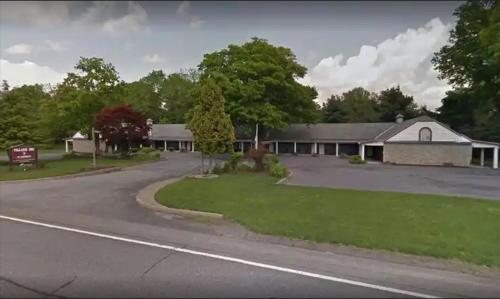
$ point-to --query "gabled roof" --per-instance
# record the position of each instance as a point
(330, 131)
(397, 128)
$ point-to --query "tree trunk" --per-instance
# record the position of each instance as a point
(210, 161)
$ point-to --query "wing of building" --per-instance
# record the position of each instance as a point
(417, 141)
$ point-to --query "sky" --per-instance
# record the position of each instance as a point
(370, 44)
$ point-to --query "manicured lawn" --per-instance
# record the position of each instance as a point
(441, 226)
(63, 167)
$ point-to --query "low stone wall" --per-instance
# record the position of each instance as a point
(428, 154)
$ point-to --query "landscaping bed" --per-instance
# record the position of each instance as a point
(442, 226)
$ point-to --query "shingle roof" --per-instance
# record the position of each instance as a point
(170, 131)
(354, 132)
(330, 131)
(180, 132)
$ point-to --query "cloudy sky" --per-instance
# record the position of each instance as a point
(343, 44)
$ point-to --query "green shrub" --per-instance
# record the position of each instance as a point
(227, 167)
(145, 150)
(356, 159)
(272, 159)
(235, 160)
(156, 156)
(217, 169)
(278, 170)
(244, 167)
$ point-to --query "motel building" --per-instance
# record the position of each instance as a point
(417, 141)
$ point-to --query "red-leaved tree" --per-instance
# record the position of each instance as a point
(121, 126)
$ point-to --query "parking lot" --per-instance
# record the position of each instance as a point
(330, 171)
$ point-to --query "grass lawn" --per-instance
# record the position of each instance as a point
(63, 167)
(440, 226)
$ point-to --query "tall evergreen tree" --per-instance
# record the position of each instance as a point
(211, 126)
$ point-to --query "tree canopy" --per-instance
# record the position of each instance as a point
(19, 115)
(470, 62)
(258, 81)
(121, 126)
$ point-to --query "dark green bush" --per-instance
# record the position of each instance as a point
(235, 160)
(278, 170)
(145, 150)
(244, 167)
(356, 159)
(217, 169)
(227, 167)
(272, 159)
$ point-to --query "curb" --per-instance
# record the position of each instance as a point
(59, 177)
(146, 198)
(285, 178)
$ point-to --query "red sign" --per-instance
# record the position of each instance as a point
(23, 154)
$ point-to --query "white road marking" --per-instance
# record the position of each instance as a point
(224, 258)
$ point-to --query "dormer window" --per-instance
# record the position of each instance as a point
(425, 135)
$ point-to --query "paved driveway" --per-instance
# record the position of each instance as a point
(326, 171)
(88, 237)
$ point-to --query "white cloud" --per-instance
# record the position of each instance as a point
(184, 8)
(34, 12)
(56, 46)
(28, 72)
(19, 49)
(196, 22)
(114, 18)
(152, 58)
(184, 11)
(404, 60)
(133, 21)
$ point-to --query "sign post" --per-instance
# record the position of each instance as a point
(94, 146)
(21, 154)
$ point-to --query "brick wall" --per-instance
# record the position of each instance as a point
(428, 154)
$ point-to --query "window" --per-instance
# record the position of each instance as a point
(425, 134)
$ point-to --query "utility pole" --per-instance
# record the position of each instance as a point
(94, 151)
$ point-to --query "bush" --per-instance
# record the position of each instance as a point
(258, 156)
(244, 167)
(156, 156)
(145, 150)
(235, 160)
(278, 170)
(227, 167)
(217, 169)
(356, 159)
(272, 159)
(135, 149)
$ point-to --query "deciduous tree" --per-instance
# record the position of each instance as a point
(121, 126)
(258, 81)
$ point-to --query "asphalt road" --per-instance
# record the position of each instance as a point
(169, 256)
